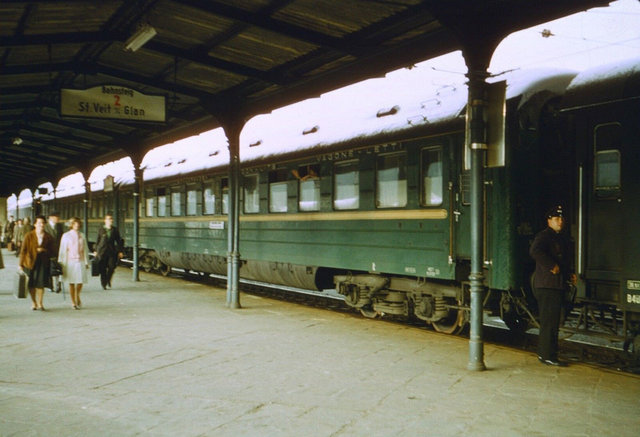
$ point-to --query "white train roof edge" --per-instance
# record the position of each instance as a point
(281, 132)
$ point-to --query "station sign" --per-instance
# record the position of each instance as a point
(113, 102)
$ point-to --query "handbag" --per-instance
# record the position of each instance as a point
(20, 288)
(95, 267)
(55, 268)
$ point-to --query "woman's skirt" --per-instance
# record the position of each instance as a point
(74, 272)
(39, 275)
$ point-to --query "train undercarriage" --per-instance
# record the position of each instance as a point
(441, 304)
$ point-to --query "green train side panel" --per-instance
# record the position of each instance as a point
(182, 235)
(402, 247)
(413, 248)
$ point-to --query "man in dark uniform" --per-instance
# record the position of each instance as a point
(54, 228)
(551, 250)
(109, 249)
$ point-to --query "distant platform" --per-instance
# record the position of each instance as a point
(164, 356)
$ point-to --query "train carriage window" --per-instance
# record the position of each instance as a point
(225, 195)
(607, 140)
(346, 185)
(192, 201)
(431, 177)
(309, 187)
(162, 202)
(251, 194)
(391, 181)
(176, 201)
(278, 193)
(209, 199)
(150, 203)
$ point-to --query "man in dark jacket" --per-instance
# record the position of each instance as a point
(54, 228)
(109, 249)
(552, 252)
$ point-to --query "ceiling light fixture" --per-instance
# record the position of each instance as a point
(140, 38)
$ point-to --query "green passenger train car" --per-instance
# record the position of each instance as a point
(378, 208)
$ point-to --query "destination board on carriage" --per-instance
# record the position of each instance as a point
(112, 102)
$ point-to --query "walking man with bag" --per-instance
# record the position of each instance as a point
(109, 249)
(54, 228)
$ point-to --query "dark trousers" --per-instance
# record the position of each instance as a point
(107, 267)
(549, 305)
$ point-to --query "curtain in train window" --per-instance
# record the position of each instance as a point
(176, 202)
(391, 181)
(278, 193)
(225, 195)
(150, 202)
(209, 199)
(309, 186)
(162, 202)
(432, 177)
(607, 158)
(192, 200)
(346, 185)
(251, 194)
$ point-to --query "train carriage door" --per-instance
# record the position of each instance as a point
(600, 224)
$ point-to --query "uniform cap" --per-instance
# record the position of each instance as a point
(555, 211)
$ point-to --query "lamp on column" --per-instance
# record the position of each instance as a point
(144, 33)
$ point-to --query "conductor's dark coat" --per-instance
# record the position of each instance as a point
(548, 249)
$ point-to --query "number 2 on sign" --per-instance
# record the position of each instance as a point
(117, 97)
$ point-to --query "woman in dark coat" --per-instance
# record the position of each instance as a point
(35, 254)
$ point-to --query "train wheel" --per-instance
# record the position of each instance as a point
(454, 323)
(368, 312)
(146, 262)
(165, 269)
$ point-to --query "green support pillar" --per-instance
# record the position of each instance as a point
(85, 209)
(232, 130)
(477, 144)
(136, 220)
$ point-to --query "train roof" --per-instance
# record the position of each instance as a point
(604, 84)
(206, 151)
(370, 111)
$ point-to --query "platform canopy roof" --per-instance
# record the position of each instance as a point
(212, 61)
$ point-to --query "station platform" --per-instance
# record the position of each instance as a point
(165, 357)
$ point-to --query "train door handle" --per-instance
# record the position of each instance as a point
(457, 214)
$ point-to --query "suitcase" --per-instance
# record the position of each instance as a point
(21, 286)
(95, 267)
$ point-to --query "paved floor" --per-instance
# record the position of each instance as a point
(165, 357)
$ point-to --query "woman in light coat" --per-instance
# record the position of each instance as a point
(73, 256)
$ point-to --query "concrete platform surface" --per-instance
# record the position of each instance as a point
(164, 357)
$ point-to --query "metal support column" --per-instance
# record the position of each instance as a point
(478, 149)
(137, 171)
(232, 130)
(55, 200)
(85, 210)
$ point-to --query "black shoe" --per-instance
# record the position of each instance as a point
(549, 362)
